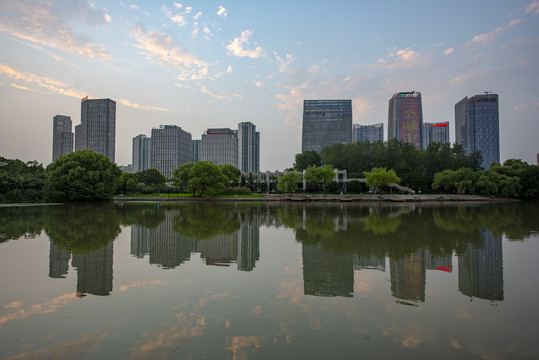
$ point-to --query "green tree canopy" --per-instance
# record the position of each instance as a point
(21, 181)
(82, 175)
(181, 177)
(206, 178)
(306, 159)
(324, 175)
(289, 181)
(151, 177)
(232, 173)
(380, 177)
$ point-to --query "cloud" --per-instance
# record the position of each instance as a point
(197, 16)
(222, 12)
(161, 48)
(488, 37)
(449, 51)
(178, 19)
(20, 87)
(222, 96)
(141, 107)
(533, 8)
(43, 23)
(229, 69)
(284, 64)
(235, 48)
(258, 83)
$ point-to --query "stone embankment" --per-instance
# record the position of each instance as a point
(330, 197)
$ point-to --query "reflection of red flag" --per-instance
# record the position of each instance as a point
(443, 268)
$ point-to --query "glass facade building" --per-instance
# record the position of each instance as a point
(171, 147)
(370, 133)
(405, 118)
(326, 122)
(220, 146)
(248, 147)
(142, 146)
(62, 136)
(477, 127)
(435, 132)
(97, 130)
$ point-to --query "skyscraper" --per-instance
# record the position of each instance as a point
(326, 122)
(370, 133)
(62, 136)
(170, 148)
(435, 132)
(477, 127)
(97, 130)
(220, 146)
(141, 153)
(195, 150)
(405, 120)
(248, 147)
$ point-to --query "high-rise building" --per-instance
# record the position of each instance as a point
(405, 120)
(326, 122)
(170, 148)
(195, 144)
(62, 136)
(370, 133)
(248, 147)
(220, 146)
(97, 130)
(435, 132)
(477, 127)
(142, 146)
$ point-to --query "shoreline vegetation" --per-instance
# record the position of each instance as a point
(372, 172)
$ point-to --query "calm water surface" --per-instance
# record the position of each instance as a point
(267, 281)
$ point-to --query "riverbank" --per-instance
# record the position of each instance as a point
(329, 197)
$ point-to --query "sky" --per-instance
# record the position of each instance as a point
(207, 64)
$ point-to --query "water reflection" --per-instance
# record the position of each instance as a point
(336, 240)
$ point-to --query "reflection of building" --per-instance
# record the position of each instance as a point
(97, 130)
(62, 136)
(326, 273)
(408, 276)
(170, 148)
(242, 247)
(369, 262)
(140, 241)
(481, 269)
(405, 120)
(58, 262)
(220, 146)
(142, 146)
(370, 133)
(438, 262)
(166, 247)
(435, 132)
(94, 271)
(248, 147)
(477, 127)
(326, 122)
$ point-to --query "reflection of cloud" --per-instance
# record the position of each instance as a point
(141, 284)
(37, 309)
(239, 345)
(203, 301)
(65, 350)
(235, 47)
(42, 22)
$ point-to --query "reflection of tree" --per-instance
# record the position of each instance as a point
(148, 215)
(20, 221)
(206, 220)
(83, 228)
(381, 224)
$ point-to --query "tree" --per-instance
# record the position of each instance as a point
(21, 181)
(232, 173)
(324, 175)
(181, 176)
(289, 182)
(306, 159)
(206, 177)
(462, 181)
(82, 175)
(380, 177)
(151, 177)
(127, 182)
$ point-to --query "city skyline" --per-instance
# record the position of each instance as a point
(216, 64)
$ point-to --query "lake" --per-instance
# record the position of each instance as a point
(206, 280)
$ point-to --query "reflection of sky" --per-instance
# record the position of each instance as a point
(225, 313)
